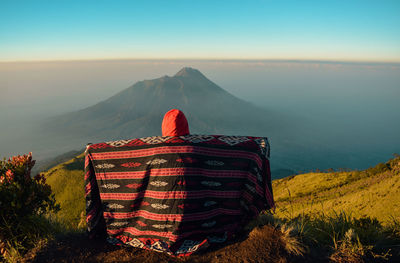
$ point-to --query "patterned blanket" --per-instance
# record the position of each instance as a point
(176, 194)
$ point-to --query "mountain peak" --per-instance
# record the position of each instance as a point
(189, 72)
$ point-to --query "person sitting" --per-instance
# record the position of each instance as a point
(178, 193)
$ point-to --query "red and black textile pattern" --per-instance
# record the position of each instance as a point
(176, 194)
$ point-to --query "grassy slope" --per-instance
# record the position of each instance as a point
(67, 182)
(374, 192)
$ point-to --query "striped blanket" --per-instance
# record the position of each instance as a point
(176, 194)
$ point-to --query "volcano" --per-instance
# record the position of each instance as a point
(138, 111)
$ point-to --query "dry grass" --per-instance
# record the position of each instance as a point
(291, 241)
(289, 233)
(373, 193)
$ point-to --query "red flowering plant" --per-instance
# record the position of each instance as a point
(21, 195)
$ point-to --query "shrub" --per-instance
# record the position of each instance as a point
(379, 168)
(23, 200)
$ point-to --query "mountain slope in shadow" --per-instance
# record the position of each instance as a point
(138, 110)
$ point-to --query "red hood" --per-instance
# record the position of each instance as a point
(174, 123)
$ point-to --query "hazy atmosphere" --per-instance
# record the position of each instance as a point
(349, 108)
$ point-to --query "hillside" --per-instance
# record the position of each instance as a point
(374, 192)
(67, 183)
(320, 217)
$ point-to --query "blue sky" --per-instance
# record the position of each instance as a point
(324, 30)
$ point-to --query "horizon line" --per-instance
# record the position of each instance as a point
(287, 60)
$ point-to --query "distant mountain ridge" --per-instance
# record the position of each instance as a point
(138, 111)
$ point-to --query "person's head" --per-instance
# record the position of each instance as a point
(174, 124)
